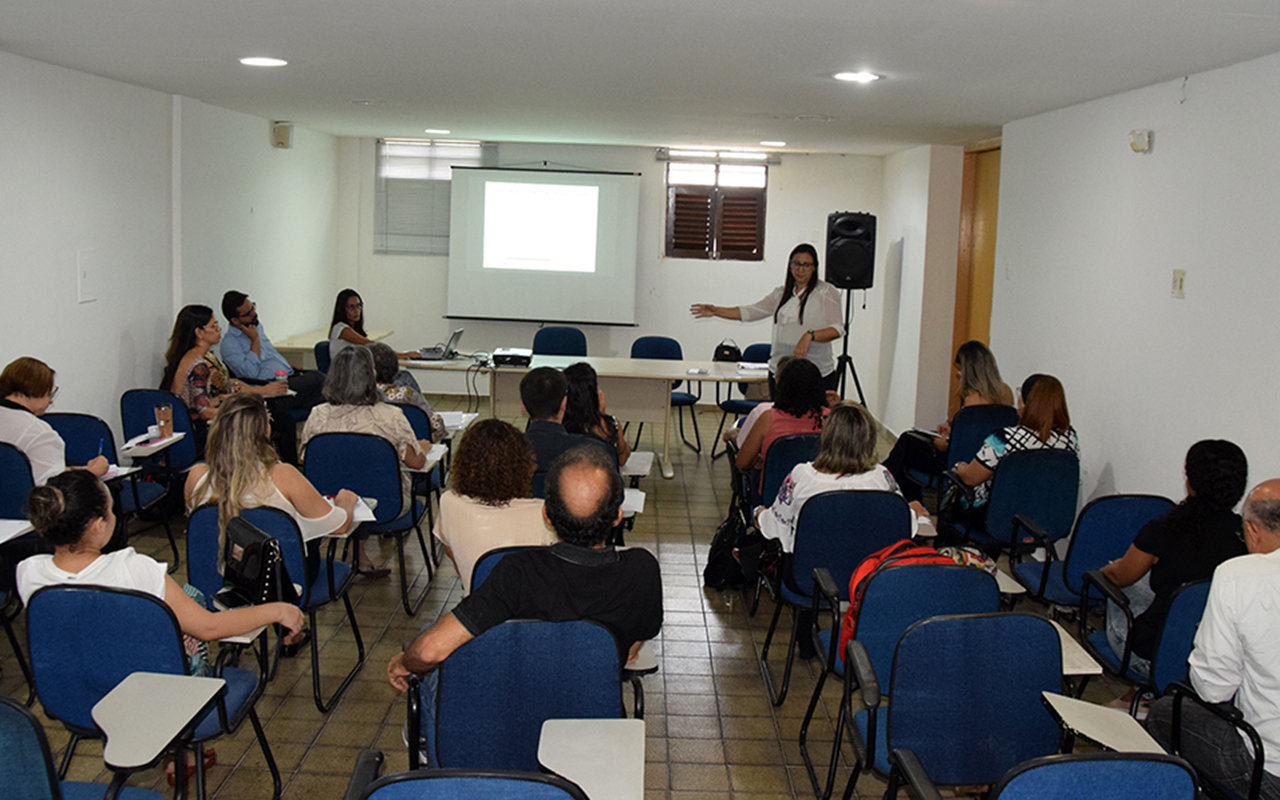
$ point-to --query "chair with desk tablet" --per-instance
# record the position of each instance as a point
(1101, 776)
(449, 784)
(668, 349)
(559, 341)
(738, 407)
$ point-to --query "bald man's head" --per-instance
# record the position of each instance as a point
(584, 495)
(1262, 517)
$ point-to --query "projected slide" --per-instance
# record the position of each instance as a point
(540, 227)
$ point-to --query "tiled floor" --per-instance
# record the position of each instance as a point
(711, 730)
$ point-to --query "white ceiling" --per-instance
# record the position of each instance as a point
(647, 72)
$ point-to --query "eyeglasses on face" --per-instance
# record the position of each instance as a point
(803, 264)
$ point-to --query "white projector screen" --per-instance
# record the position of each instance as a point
(543, 246)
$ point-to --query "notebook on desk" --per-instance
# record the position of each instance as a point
(448, 351)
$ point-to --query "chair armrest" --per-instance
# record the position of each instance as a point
(857, 666)
(1041, 537)
(1115, 594)
(1225, 711)
(414, 721)
(368, 765)
(906, 763)
(825, 587)
(968, 491)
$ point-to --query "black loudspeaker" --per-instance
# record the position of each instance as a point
(851, 249)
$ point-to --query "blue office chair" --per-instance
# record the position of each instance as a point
(26, 763)
(559, 341)
(1032, 501)
(965, 696)
(84, 640)
(969, 428)
(369, 466)
(138, 412)
(15, 482)
(738, 407)
(1099, 776)
(448, 784)
(783, 455)
(86, 437)
(7, 616)
(895, 598)
(1103, 532)
(835, 531)
(321, 351)
(1227, 712)
(1173, 648)
(484, 706)
(667, 349)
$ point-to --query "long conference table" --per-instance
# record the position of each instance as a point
(636, 389)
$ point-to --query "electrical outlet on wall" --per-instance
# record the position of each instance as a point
(1179, 284)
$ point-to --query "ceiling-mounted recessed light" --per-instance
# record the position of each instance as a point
(256, 61)
(773, 144)
(856, 77)
(364, 102)
(438, 131)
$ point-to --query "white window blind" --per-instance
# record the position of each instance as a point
(411, 195)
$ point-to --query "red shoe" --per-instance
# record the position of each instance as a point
(210, 759)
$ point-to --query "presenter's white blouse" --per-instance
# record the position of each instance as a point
(822, 311)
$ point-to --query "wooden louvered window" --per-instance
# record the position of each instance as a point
(715, 211)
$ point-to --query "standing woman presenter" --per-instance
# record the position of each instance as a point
(806, 316)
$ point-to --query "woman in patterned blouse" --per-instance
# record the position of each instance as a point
(194, 373)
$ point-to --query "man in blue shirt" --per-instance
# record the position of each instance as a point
(250, 355)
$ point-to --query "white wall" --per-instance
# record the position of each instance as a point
(258, 219)
(85, 166)
(407, 293)
(1089, 235)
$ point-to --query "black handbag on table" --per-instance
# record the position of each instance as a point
(253, 568)
(727, 350)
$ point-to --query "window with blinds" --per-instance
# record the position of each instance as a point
(716, 210)
(411, 193)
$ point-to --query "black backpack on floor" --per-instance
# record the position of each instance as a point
(723, 570)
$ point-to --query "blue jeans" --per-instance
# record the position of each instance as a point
(1212, 745)
(1140, 597)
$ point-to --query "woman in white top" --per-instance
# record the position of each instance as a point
(806, 315)
(73, 512)
(26, 392)
(347, 326)
(845, 462)
(243, 471)
(489, 503)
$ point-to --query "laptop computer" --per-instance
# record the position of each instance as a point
(445, 353)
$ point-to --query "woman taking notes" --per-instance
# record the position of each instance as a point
(806, 315)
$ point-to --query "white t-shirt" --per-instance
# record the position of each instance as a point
(336, 343)
(123, 569)
(471, 529)
(37, 439)
(821, 310)
(779, 520)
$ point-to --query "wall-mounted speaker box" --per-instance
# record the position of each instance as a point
(851, 249)
(282, 135)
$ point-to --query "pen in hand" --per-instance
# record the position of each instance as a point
(101, 442)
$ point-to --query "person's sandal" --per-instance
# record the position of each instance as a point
(210, 760)
(373, 572)
(291, 650)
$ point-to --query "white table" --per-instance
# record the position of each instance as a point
(603, 756)
(1106, 727)
(13, 528)
(144, 714)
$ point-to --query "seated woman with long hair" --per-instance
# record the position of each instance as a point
(584, 411)
(73, 513)
(489, 503)
(346, 327)
(798, 407)
(845, 462)
(1186, 544)
(1043, 424)
(980, 385)
(242, 471)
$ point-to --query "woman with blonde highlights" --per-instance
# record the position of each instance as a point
(489, 503)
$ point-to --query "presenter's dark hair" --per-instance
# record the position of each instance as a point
(231, 302)
(589, 529)
(183, 339)
(340, 311)
(27, 376)
(541, 391)
(789, 287)
(351, 381)
(582, 412)
(800, 391)
(64, 507)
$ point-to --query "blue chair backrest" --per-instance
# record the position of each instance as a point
(559, 341)
(661, 347)
(1178, 634)
(966, 694)
(282, 527)
(1040, 484)
(900, 596)
(1105, 529)
(15, 481)
(84, 640)
(322, 355)
(755, 354)
(417, 420)
(203, 537)
(26, 766)
(366, 464)
(495, 691)
(1099, 776)
(972, 425)
(138, 411)
(450, 784)
(784, 454)
(82, 434)
(837, 530)
(485, 564)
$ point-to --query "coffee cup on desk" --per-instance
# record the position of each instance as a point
(153, 432)
(164, 418)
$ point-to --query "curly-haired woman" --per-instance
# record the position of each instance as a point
(489, 503)
(1186, 544)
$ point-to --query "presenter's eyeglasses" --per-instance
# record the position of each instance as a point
(803, 264)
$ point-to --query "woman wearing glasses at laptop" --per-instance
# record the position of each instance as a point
(806, 316)
(347, 326)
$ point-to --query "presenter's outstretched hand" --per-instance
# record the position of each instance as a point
(702, 310)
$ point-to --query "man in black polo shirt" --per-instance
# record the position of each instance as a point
(543, 394)
(576, 578)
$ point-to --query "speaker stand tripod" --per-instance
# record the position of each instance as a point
(845, 360)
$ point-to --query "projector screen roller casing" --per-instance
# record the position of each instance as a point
(499, 267)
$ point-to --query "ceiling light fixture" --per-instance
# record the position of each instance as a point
(437, 131)
(257, 61)
(856, 77)
(773, 144)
